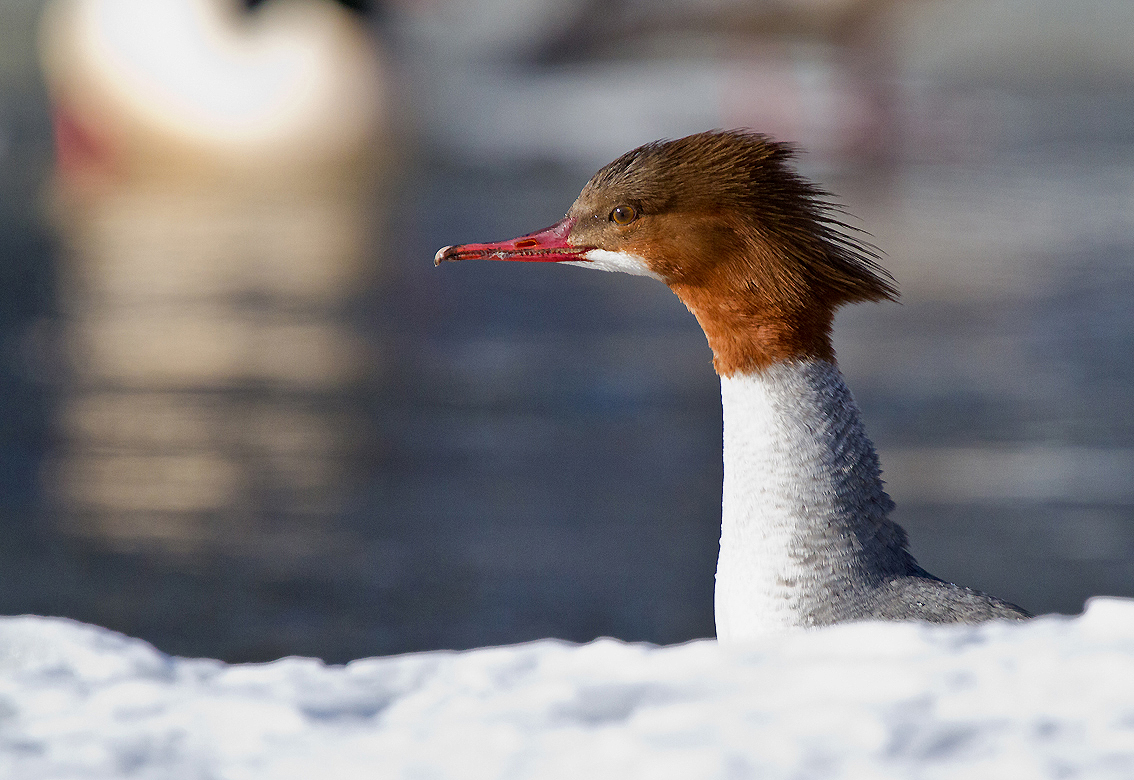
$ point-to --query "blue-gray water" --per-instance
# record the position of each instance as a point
(528, 451)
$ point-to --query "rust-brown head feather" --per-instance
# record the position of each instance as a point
(750, 177)
(755, 251)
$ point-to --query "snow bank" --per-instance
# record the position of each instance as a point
(1050, 698)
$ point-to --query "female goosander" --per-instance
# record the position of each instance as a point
(757, 255)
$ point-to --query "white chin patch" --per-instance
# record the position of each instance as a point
(623, 262)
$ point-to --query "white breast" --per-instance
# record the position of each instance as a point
(801, 481)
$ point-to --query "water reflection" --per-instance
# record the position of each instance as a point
(212, 169)
(550, 459)
(210, 365)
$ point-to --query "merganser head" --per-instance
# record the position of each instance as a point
(755, 251)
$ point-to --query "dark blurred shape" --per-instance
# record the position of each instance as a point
(615, 29)
(362, 6)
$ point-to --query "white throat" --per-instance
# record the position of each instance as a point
(804, 534)
(621, 262)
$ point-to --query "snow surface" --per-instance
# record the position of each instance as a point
(1050, 698)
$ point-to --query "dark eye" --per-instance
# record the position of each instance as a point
(623, 215)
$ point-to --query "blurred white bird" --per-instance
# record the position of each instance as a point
(206, 89)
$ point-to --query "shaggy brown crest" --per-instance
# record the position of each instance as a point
(755, 251)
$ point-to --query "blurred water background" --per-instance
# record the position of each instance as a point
(244, 416)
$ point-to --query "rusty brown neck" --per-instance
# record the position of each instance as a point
(751, 323)
(745, 340)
